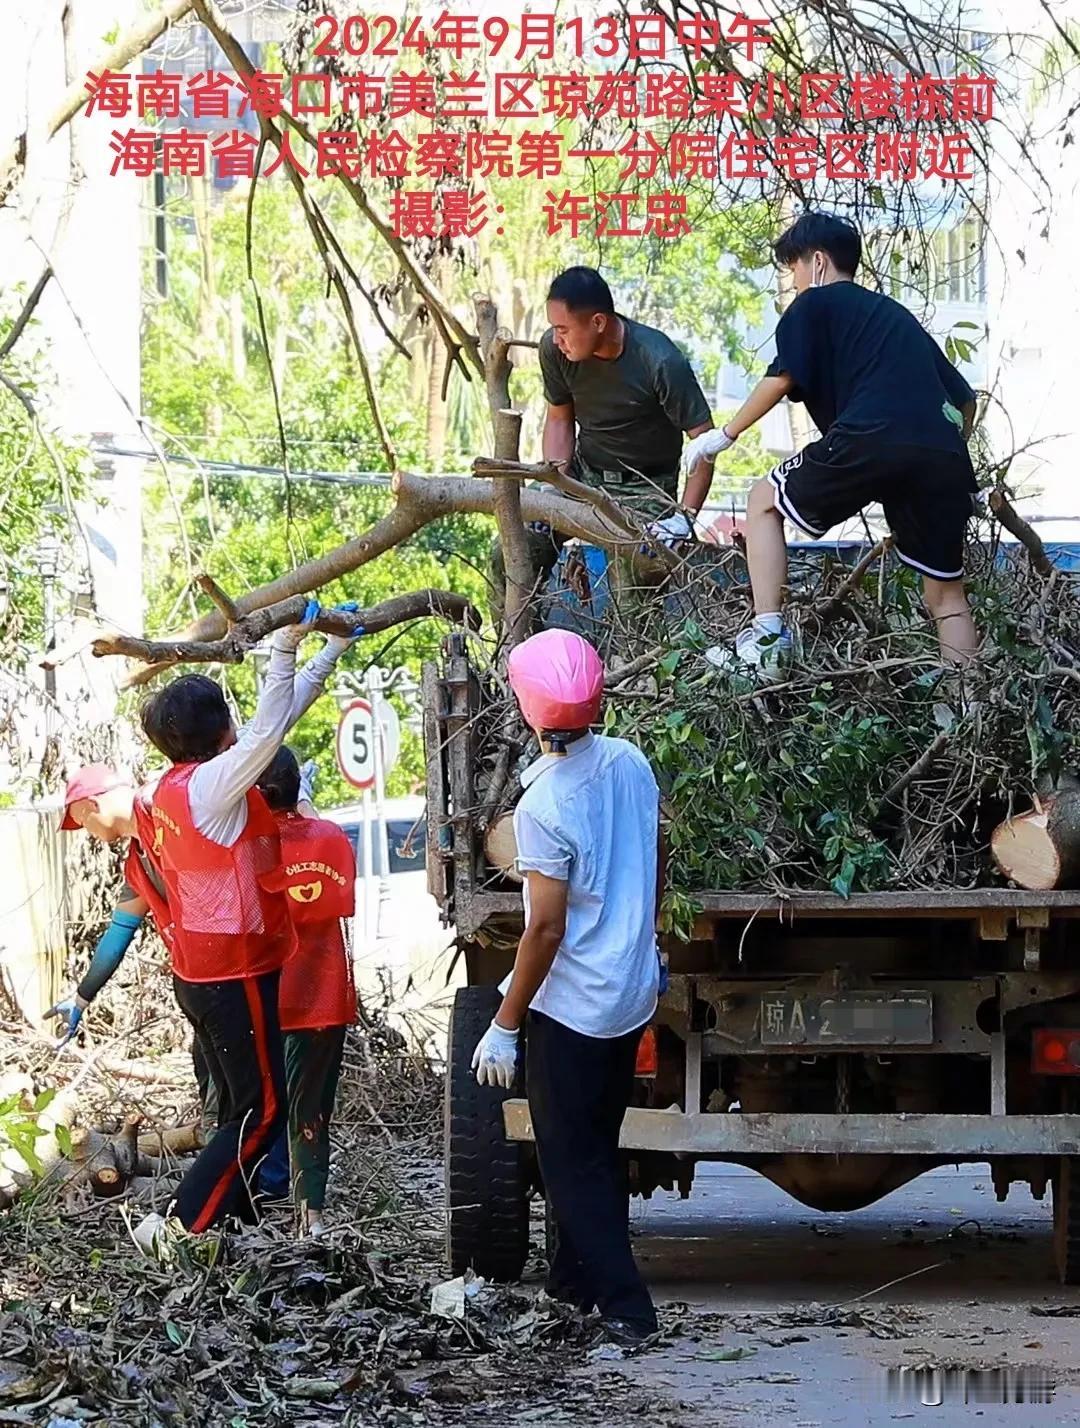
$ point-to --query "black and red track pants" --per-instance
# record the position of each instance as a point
(237, 1025)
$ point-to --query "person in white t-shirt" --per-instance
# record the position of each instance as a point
(586, 973)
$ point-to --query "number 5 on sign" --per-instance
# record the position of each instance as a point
(356, 744)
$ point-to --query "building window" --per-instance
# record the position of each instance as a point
(947, 265)
(959, 260)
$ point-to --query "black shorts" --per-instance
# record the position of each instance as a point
(927, 496)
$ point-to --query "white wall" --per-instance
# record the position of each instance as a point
(1034, 300)
(90, 231)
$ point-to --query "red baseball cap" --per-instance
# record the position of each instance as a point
(91, 781)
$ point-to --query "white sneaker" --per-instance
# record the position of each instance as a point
(755, 649)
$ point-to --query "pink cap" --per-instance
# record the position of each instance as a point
(91, 781)
(558, 679)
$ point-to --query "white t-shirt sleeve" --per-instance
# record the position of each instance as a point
(218, 789)
(540, 849)
(310, 681)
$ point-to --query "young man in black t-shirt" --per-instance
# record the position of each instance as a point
(895, 416)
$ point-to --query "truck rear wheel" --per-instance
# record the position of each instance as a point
(487, 1189)
(1067, 1219)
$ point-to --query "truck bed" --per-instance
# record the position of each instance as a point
(993, 908)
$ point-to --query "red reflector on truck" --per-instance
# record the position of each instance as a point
(646, 1053)
(1056, 1053)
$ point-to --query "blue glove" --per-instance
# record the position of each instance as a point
(350, 607)
(292, 637)
(340, 643)
(71, 1009)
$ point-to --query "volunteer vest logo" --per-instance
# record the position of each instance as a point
(306, 892)
(159, 838)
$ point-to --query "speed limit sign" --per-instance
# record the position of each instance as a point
(356, 744)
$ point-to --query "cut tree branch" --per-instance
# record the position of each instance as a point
(249, 630)
(419, 501)
(209, 586)
(520, 576)
(1015, 524)
(835, 603)
(916, 770)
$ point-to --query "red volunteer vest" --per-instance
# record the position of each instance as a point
(227, 920)
(318, 875)
(142, 872)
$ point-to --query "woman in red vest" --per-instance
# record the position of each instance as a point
(317, 999)
(218, 847)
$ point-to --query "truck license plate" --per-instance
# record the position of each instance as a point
(847, 1019)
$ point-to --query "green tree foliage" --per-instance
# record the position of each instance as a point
(34, 492)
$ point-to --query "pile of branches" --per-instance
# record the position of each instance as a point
(261, 1329)
(865, 764)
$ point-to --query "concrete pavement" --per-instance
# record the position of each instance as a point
(794, 1316)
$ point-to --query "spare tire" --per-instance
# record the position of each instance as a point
(487, 1181)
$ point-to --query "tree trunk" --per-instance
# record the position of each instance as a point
(1040, 850)
(438, 411)
(506, 425)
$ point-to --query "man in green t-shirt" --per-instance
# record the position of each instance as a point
(619, 397)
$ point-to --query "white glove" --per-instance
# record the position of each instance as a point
(708, 446)
(495, 1057)
(671, 531)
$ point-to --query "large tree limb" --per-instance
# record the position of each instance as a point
(248, 630)
(118, 56)
(619, 522)
(419, 501)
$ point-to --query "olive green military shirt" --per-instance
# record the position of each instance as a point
(631, 411)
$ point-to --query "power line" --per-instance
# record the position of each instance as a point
(241, 468)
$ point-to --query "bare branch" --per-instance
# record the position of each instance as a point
(32, 300)
(209, 586)
(1015, 524)
(834, 604)
(916, 770)
(251, 629)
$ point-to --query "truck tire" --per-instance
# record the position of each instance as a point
(487, 1189)
(1067, 1219)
